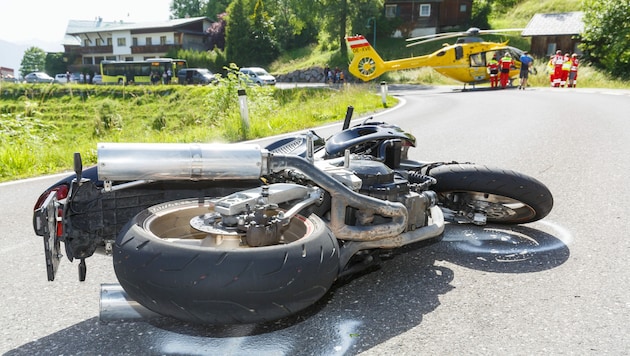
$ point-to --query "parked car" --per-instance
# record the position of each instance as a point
(62, 78)
(258, 76)
(98, 79)
(195, 76)
(38, 77)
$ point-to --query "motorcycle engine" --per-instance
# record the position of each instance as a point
(380, 181)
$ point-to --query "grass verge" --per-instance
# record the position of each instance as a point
(41, 126)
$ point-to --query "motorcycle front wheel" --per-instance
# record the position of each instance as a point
(170, 268)
(504, 196)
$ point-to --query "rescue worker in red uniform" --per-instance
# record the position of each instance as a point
(557, 62)
(505, 64)
(493, 69)
(566, 67)
(575, 62)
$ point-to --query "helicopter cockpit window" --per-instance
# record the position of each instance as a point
(459, 52)
(477, 60)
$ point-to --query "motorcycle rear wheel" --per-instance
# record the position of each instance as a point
(161, 263)
(505, 196)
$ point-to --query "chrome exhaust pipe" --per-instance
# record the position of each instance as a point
(179, 161)
(116, 305)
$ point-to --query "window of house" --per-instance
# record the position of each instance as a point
(390, 11)
(121, 41)
(109, 41)
(463, 8)
(149, 41)
(99, 42)
(162, 40)
(87, 60)
(425, 10)
(128, 59)
(86, 42)
(134, 41)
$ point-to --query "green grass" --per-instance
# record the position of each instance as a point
(41, 126)
(519, 15)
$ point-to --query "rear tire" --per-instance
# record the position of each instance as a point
(505, 196)
(158, 266)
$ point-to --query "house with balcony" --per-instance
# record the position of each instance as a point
(87, 43)
(428, 17)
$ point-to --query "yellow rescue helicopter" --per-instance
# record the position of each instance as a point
(465, 61)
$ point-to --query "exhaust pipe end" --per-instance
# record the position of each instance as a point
(116, 305)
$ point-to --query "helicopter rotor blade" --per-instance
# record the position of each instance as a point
(501, 30)
(436, 36)
(473, 31)
(435, 39)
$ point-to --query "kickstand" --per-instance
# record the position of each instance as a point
(82, 270)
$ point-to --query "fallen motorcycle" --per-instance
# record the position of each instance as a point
(238, 233)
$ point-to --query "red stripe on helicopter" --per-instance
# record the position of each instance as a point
(358, 41)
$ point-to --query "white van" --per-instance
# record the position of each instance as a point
(258, 76)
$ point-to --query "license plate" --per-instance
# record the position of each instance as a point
(48, 219)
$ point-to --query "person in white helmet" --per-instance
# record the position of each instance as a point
(505, 64)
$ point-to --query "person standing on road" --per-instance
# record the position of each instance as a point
(575, 62)
(566, 67)
(505, 65)
(493, 69)
(558, 61)
(526, 62)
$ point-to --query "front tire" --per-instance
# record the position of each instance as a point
(504, 196)
(161, 263)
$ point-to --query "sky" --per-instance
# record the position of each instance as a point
(37, 21)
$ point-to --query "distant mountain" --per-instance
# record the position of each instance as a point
(11, 53)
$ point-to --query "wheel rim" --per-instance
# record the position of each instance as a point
(497, 208)
(180, 224)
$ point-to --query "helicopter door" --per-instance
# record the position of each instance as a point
(478, 66)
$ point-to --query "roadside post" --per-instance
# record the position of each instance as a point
(384, 94)
(242, 101)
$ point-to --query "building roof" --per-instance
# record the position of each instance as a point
(565, 23)
(77, 27)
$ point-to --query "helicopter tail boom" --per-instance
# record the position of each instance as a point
(367, 64)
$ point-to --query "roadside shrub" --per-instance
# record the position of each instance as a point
(107, 117)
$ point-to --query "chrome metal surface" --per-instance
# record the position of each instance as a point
(175, 161)
(115, 304)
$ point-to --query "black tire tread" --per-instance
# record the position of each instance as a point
(484, 179)
(211, 286)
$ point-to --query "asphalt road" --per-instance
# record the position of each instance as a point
(558, 286)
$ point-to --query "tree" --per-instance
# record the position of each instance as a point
(34, 60)
(336, 15)
(262, 40)
(237, 32)
(481, 10)
(188, 8)
(214, 8)
(606, 37)
(55, 63)
(295, 25)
